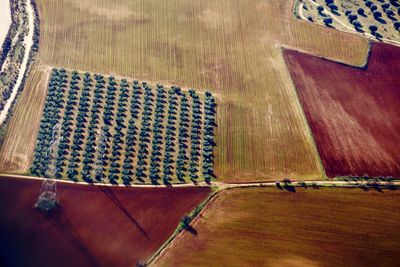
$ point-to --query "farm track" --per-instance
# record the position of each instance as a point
(28, 42)
(221, 185)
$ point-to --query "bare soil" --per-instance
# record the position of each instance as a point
(93, 226)
(353, 113)
(308, 227)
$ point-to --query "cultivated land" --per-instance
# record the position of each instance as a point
(353, 113)
(119, 131)
(94, 226)
(312, 227)
(229, 47)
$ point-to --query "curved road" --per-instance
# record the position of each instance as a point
(28, 42)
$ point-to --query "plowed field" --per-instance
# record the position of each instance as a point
(312, 227)
(94, 226)
(354, 114)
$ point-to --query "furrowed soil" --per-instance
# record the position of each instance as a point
(93, 226)
(311, 227)
(231, 47)
(353, 113)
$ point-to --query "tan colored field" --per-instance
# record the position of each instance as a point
(230, 47)
(19, 143)
(312, 227)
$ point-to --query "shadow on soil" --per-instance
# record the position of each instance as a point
(66, 227)
(286, 187)
(191, 230)
(110, 194)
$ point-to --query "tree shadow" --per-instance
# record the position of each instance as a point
(364, 188)
(110, 194)
(377, 188)
(191, 230)
(278, 185)
(290, 188)
(69, 231)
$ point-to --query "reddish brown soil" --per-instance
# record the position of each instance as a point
(94, 226)
(353, 113)
(326, 227)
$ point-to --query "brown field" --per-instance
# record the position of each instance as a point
(353, 113)
(94, 226)
(312, 227)
(231, 47)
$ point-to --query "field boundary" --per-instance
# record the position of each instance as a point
(179, 229)
(364, 66)
(203, 207)
(303, 115)
(117, 76)
(339, 181)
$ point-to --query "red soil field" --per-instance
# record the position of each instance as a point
(93, 226)
(353, 113)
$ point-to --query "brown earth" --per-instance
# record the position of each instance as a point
(354, 114)
(311, 227)
(94, 226)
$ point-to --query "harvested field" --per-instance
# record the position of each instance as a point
(229, 47)
(94, 226)
(353, 113)
(311, 227)
(17, 151)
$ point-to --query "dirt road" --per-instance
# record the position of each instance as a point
(5, 19)
(220, 185)
(28, 42)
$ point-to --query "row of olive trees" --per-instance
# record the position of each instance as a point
(209, 133)
(144, 134)
(118, 138)
(131, 134)
(51, 116)
(158, 130)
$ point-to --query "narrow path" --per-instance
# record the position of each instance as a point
(28, 42)
(347, 28)
(5, 19)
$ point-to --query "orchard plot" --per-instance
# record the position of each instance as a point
(103, 129)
